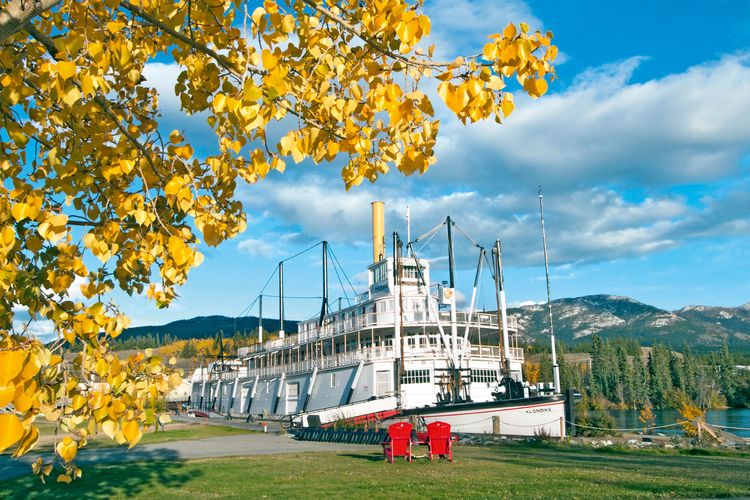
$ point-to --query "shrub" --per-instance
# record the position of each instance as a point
(597, 424)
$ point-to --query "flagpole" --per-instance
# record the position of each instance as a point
(555, 366)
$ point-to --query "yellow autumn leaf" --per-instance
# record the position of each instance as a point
(109, 428)
(507, 104)
(7, 393)
(67, 449)
(72, 95)
(269, 60)
(53, 228)
(11, 430)
(509, 31)
(131, 431)
(66, 69)
(11, 364)
(287, 24)
(27, 442)
(115, 26)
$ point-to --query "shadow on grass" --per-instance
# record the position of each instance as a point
(368, 457)
(104, 479)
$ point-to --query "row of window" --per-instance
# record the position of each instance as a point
(416, 377)
(423, 376)
(484, 375)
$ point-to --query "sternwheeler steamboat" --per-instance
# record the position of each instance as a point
(401, 350)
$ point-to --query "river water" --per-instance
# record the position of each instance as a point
(734, 417)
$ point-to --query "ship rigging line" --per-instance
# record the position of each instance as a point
(489, 266)
(465, 235)
(425, 243)
(249, 307)
(428, 233)
(336, 260)
(303, 251)
(316, 297)
(346, 296)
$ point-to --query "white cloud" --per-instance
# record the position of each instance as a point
(257, 247)
(460, 27)
(43, 330)
(583, 225)
(684, 128)
(274, 244)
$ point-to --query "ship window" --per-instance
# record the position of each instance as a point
(484, 376)
(416, 377)
(380, 273)
(292, 390)
(382, 383)
(333, 380)
(410, 272)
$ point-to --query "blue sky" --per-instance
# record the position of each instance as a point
(642, 147)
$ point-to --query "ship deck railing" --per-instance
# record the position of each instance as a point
(310, 331)
(372, 353)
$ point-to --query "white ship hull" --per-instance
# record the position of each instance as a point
(524, 417)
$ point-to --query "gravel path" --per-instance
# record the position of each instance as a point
(223, 446)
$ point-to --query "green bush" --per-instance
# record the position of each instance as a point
(596, 424)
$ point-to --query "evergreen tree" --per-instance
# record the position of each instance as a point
(690, 373)
(545, 368)
(677, 371)
(727, 374)
(660, 381)
(640, 386)
(598, 371)
(620, 381)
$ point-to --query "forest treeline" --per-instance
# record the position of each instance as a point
(619, 374)
(196, 349)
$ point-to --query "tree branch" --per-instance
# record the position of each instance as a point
(222, 60)
(377, 46)
(45, 40)
(19, 12)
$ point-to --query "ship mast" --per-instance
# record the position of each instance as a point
(452, 286)
(324, 306)
(501, 307)
(398, 313)
(555, 366)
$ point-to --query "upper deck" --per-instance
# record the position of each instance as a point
(353, 320)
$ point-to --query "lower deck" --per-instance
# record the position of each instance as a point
(422, 383)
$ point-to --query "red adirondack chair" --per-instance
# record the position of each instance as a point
(398, 443)
(439, 440)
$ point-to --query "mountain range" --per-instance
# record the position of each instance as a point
(207, 326)
(576, 319)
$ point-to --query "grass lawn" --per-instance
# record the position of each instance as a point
(181, 433)
(514, 470)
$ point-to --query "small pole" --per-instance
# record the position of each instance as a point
(408, 225)
(281, 299)
(260, 320)
(555, 366)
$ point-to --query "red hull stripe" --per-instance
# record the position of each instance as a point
(492, 411)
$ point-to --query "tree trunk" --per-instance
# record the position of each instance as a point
(18, 12)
